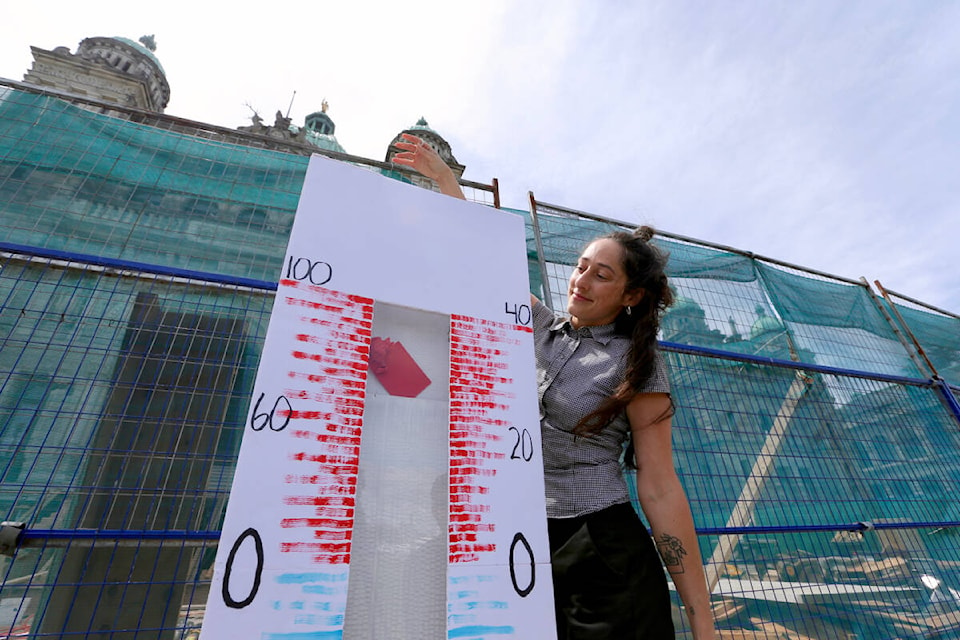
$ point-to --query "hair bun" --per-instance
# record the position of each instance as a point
(644, 233)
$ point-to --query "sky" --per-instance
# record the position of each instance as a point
(824, 134)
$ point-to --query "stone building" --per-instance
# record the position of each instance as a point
(115, 70)
(120, 71)
(318, 129)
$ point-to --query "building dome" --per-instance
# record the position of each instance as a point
(686, 321)
(116, 71)
(144, 49)
(320, 122)
(319, 129)
(130, 58)
(764, 323)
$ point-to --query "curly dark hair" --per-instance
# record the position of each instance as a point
(645, 267)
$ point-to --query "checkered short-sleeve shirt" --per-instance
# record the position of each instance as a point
(577, 369)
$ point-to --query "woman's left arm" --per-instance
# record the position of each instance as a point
(667, 509)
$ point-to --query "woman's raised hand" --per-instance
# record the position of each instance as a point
(421, 157)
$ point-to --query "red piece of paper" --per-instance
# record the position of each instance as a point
(396, 369)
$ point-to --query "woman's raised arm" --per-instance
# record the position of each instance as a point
(420, 156)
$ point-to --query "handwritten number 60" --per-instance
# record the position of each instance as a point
(228, 570)
(260, 420)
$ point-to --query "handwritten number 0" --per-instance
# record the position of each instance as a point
(525, 591)
(225, 588)
(266, 418)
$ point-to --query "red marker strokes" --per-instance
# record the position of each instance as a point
(479, 395)
(332, 361)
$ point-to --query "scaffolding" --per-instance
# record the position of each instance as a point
(816, 427)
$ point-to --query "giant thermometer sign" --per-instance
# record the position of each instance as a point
(389, 483)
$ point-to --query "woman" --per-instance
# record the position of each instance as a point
(601, 382)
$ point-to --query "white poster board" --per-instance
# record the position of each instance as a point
(389, 482)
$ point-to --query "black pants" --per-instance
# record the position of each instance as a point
(607, 578)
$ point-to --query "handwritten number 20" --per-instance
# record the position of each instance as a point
(260, 420)
(524, 444)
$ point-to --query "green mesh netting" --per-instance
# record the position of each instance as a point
(806, 300)
(93, 364)
(79, 181)
(730, 301)
(940, 337)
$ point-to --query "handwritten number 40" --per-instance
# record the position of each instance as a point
(259, 420)
(521, 313)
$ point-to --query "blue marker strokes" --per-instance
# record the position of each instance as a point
(318, 620)
(322, 590)
(300, 578)
(479, 630)
(465, 601)
(305, 618)
(489, 604)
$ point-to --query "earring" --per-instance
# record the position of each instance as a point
(629, 310)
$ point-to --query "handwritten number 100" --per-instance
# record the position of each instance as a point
(260, 420)
(304, 269)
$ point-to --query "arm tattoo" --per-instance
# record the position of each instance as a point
(672, 552)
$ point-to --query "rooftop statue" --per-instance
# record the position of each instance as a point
(149, 42)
